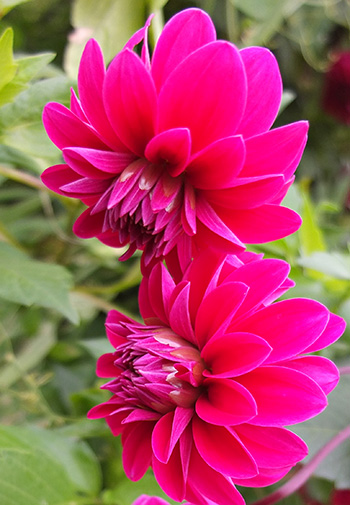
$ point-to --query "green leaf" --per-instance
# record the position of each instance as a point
(318, 431)
(335, 265)
(7, 65)
(29, 356)
(27, 68)
(110, 22)
(7, 5)
(38, 466)
(128, 491)
(311, 236)
(96, 346)
(28, 282)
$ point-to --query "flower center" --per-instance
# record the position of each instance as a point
(158, 370)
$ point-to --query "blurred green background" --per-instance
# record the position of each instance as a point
(56, 289)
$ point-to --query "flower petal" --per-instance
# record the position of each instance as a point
(199, 94)
(182, 35)
(130, 100)
(283, 396)
(334, 330)
(320, 369)
(264, 224)
(90, 84)
(217, 310)
(204, 480)
(65, 129)
(289, 326)
(225, 402)
(247, 192)
(276, 152)
(264, 90)
(234, 354)
(272, 447)
(217, 165)
(137, 449)
(170, 476)
(222, 450)
(96, 163)
(170, 149)
(168, 431)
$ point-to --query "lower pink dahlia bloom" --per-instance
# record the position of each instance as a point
(175, 152)
(203, 390)
(149, 500)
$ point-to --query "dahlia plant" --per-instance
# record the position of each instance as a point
(203, 389)
(174, 153)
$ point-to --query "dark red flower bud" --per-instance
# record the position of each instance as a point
(336, 95)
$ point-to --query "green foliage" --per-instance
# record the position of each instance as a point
(50, 468)
(28, 282)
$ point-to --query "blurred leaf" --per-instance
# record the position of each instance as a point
(127, 491)
(311, 238)
(16, 158)
(288, 97)
(28, 357)
(30, 66)
(318, 431)
(333, 264)
(42, 467)
(7, 65)
(97, 346)
(28, 282)
(7, 5)
(110, 22)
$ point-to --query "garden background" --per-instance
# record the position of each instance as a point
(55, 289)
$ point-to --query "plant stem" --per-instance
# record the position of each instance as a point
(303, 475)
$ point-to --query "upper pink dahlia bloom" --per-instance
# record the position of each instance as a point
(175, 153)
(203, 389)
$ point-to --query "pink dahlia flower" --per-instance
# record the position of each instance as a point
(149, 500)
(203, 390)
(175, 153)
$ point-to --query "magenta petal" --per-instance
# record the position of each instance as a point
(168, 431)
(320, 369)
(262, 278)
(170, 476)
(218, 165)
(266, 223)
(89, 225)
(130, 100)
(57, 176)
(276, 152)
(149, 500)
(222, 450)
(272, 447)
(334, 330)
(170, 149)
(289, 326)
(105, 366)
(225, 402)
(137, 449)
(217, 310)
(266, 477)
(204, 480)
(199, 94)
(247, 193)
(108, 163)
(207, 215)
(67, 130)
(283, 396)
(264, 90)
(179, 316)
(90, 83)
(234, 354)
(161, 285)
(183, 34)
(165, 192)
